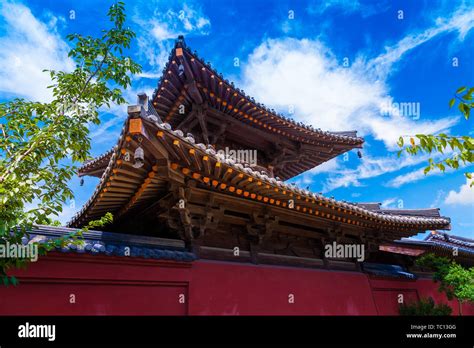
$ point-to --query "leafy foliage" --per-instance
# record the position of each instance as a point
(39, 139)
(461, 148)
(51, 244)
(466, 102)
(455, 281)
(425, 307)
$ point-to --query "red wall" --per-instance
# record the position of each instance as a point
(230, 288)
(130, 286)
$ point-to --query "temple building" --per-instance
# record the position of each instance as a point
(206, 224)
(170, 175)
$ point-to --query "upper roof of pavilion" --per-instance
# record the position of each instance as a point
(187, 79)
(223, 94)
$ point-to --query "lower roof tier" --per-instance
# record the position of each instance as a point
(173, 167)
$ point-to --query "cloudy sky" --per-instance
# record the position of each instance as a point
(338, 65)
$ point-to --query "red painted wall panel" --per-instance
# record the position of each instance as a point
(106, 298)
(244, 289)
(423, 287)
(386, 300)
(120, 286)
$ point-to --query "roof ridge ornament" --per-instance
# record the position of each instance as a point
(180, 41)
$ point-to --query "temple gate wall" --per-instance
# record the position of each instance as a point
(106, 285)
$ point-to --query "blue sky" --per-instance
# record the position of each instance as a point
(340, 65)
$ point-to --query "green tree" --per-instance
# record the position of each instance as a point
(425, 307)
(40, 142)
(454, 280)
(461, 147)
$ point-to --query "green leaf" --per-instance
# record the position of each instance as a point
(14, 281)
(466, 110)
(400, 142)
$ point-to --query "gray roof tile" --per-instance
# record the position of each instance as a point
(114, 244)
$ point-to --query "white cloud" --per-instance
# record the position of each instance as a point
(326, 167)
(161, 32)
(440, 194)
(107, 132)
(465, 195)
(461, 21)
(388, 202)
(170, 24)
(370, 167)
(319, 7)
(304, 75)
(164, 26)
(149, 75)
(407, 178)
(419, 173)
(346, 6)
(28, 47)
(389, 129)
(344, 179)
(307, 178)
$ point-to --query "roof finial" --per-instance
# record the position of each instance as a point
(180, 42)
